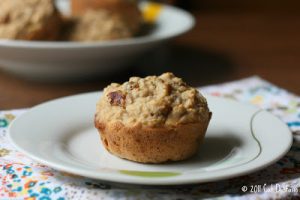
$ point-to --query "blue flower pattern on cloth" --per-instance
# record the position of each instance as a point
(22, 178)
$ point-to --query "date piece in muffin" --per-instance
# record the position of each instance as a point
(152, 120)
(29, 20)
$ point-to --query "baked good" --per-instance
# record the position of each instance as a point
(100, 25)
(127, 9)
(152, 120)
(99, 20)
(29, 20)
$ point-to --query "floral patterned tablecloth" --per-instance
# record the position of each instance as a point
(22, 178)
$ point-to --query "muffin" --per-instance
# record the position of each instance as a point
(29, 20)
(100, 25)
(152, 120)
(127, 8)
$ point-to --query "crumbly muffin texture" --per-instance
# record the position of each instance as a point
(29, 20)
(154, 101)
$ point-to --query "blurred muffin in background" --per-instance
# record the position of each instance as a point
(29, 20)
(105, 19)
(97, 25)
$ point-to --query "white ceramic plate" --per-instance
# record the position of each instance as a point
(56, 61)
(240, 139)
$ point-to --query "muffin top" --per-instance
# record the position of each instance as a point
(153, 101)
(19, 19)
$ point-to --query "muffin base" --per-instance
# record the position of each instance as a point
(152, 145)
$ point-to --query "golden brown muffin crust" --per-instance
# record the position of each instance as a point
(152, 145)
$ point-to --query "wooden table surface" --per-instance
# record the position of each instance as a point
(222, 47)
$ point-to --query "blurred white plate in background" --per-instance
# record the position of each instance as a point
(56, 61)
